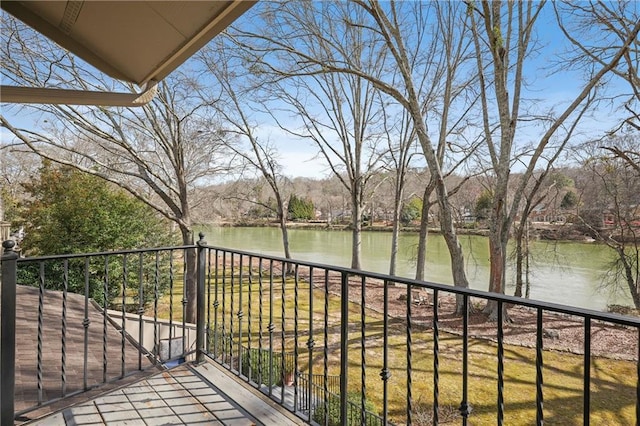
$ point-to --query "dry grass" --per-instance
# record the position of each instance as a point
(166, 309)
(613, 382)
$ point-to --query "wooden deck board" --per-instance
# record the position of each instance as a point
(186, 395)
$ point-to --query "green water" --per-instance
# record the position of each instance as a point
(568, 272)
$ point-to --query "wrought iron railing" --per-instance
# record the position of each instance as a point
(88, 320)
(385, 337)
(364, 348)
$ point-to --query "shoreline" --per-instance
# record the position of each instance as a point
(539, 230)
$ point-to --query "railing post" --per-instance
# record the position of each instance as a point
(344, 346)
(200, 299)
(8, 332)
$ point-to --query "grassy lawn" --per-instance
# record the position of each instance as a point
(613, 382)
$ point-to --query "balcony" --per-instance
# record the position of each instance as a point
(93, 337)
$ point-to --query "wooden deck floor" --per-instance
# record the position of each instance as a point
(45, 333)
(186, 395)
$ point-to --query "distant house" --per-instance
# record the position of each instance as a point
(5, 230)
(631, 217)
(547, 214)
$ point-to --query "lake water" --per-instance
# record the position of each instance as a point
(562, 272)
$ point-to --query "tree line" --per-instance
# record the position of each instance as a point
(376, 87)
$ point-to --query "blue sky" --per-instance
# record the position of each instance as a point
(298, 157)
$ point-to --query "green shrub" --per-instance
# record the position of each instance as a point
(354, 411)
(219, 343)
(300, 208)
(483, 205)
(411, 210)
(255, 365)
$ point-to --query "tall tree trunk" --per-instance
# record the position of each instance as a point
(397, 207)
(522, 260)
(527, 253)
(421, 263)
(498, 238)
(447, 225)
(519, 259)
(498, 257)
(282, 220)
(628, 274)
(394, 243)
(190, 284)
(455, 249)
(356, 235)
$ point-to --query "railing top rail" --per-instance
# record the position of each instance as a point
(104, 253)
(530, 303)
(535, 304)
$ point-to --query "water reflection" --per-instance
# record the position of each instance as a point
(566, 272)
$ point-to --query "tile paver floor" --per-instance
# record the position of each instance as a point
(185, 395)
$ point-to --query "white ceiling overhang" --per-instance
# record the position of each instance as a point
(135, 41)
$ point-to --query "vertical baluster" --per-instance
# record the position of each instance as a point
(587, 371)
(500, 337)
(171, 281)
(260, 288)
(65, 283)
(216, 305)
(409, 355)
(385, 374)
(208, 326)
(310, 345)
(249, 328)
(638, 381)
(325, 354)
(231, 308)
(436, 359)
(105, 306)
(271, 327)
(295, 338)
(344, 345)
(240, 312)
(283, 271)
(156, 296)
(201, 271)
(185, 300)
(8, 297)
(539, 365)
(464, 404)
(85, 324)
(40, 330)
(224, 307)
(123, 311)
(140, 306)
(363, 346)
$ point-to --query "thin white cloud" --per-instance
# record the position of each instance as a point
(301, 164)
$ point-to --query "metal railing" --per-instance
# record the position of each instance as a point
(314, 401)
(387, 339)
(86, 321)
(361, 349)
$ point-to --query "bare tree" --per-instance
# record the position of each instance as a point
(237, 96)
(451, 104)
(612, 191)
(615, 25)
(394, 31)
(533, 195)
(338, 112)
(17, 166)
(503, 36)
(630, 156)
(545, 187)
(400, 137)
(157, 152)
